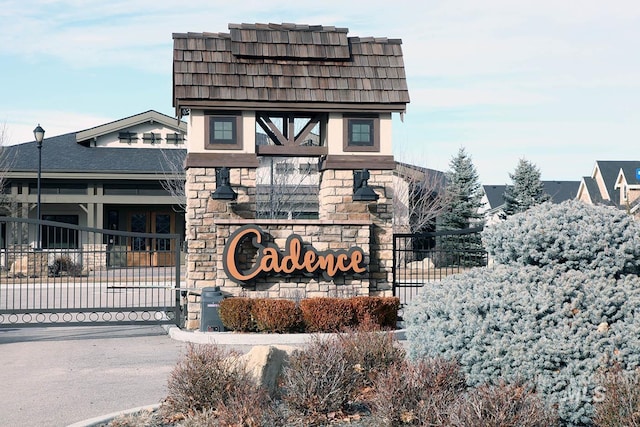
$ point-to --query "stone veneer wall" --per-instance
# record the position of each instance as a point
(94, 256)
(336, 202)
(342, 224)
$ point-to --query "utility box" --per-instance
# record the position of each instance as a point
(209, 310)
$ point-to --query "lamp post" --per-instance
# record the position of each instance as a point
(38, 133)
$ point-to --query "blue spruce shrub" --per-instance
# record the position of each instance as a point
(551, 320)
(571, 234)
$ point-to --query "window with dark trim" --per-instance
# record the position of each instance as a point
(223, 131)
(285, 168)
(361, 133)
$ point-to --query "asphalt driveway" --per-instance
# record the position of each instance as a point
(62, 375)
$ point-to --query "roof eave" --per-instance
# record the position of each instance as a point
(288, 106)
(148, 116)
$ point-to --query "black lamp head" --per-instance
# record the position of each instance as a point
(223, 188)
(361, 190)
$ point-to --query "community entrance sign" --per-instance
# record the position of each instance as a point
(296, 258)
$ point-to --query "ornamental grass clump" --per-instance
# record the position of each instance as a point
(558, 306)
(417, 393)
(618, 399)
(204, 377)
(319, 380)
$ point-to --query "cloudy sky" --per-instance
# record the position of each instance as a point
(553, 82)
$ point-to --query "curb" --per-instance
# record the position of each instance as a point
(235, 338)
(104, 419)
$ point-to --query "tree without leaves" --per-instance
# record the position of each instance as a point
(287, 187)
(173, 175)
(525, 191)
(419, 198)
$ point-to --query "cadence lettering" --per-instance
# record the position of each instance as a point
(296, 258)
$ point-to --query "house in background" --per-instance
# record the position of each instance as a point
(418, 192)
(493, 198)
(614, 183)
(109, 177)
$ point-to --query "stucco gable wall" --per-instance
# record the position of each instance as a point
(113, 140)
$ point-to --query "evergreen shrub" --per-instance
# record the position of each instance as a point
(571, 235)
(558, 305)
(310, 315)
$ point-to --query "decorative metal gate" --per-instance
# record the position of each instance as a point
(428, 257)
(54, 273)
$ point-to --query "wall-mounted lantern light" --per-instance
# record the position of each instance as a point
(361, 190)
(223, 189)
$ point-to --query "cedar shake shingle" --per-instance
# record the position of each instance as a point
(288, 63)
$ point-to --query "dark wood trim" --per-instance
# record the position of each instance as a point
(291, 150)
(237, 145)
(355, 162)
(232, 160)
(313, 121)
(326, 107)
(272, 130)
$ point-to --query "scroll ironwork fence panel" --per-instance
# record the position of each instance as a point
(53, 273)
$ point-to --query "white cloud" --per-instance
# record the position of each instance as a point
(570, 67)
(20, 124)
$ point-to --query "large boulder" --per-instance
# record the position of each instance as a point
(265, 363)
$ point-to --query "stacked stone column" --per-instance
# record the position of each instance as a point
(336, 203)
(201, 232)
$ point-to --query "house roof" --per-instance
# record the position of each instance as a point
(150, 116)
(265, 65)
(590, 185)
(65, 154)
(609, 170)
(559, 191)
(494, 195)
(418, 173)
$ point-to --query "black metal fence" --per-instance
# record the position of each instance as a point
(53, 273)
(428, 257)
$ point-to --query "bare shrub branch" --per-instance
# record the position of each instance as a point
(420, 196)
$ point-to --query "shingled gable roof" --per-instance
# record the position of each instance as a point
(263, 66)
(64, 154)
(150, 116)
(609, 170)
(559, 191)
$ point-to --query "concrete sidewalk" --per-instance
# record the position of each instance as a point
(56, 376)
